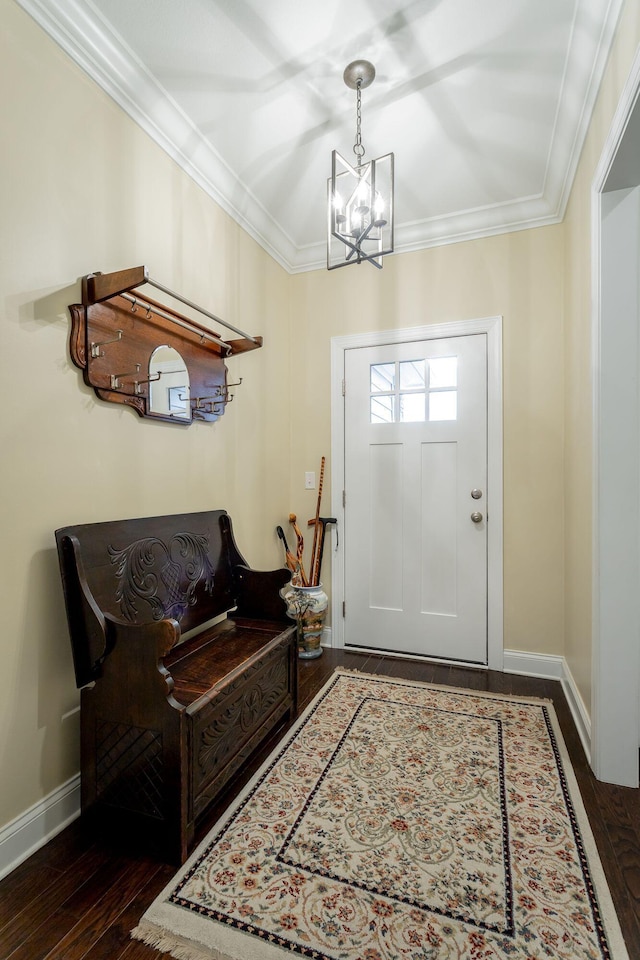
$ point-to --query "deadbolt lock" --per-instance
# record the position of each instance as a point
(476, 494)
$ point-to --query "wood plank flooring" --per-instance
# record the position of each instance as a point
(79, 896)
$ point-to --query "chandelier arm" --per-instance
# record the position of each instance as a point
(356, 245)
(371, 257)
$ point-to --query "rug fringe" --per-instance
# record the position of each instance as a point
(172, 944)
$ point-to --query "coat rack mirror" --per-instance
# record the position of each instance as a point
(169, 394)
(136, 351)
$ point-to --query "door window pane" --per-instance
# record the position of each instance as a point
(403, 392)
(412, 407)
(443, 405)
(383, 377)
(443, 372)
(383, 409)
(412, 374)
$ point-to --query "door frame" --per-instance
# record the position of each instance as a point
(615, 656)
(492, 327)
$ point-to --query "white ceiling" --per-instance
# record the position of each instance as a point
(485, 103)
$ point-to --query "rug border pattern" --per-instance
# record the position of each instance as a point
(603, 913)
(577, 839)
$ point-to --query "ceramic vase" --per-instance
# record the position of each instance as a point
(308, 607)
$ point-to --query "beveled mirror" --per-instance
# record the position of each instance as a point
(169, 390)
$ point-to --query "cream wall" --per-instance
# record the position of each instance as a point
(518, 276)
(578, 370)
(82, 188)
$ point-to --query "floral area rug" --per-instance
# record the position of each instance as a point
(399, 821)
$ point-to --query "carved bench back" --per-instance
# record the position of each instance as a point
(142, 570)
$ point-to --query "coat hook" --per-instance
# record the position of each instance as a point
(115, 377)
(95, 347)
(151, 379)
(217, 404)
(215, 398)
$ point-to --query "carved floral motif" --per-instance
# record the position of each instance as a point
(165, 576)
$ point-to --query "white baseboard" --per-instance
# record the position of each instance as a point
(30, 831)
(550, 667)
(542, 665)
(27, 833)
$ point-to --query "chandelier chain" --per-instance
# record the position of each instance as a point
(358, 148)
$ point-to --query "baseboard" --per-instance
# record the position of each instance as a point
(550, 667)
(579, 711)
(27, 833)
(30, 831)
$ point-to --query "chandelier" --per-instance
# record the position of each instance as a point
(360, 195)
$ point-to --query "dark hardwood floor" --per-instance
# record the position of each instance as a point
(80, 895)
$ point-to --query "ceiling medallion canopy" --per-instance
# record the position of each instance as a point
(360, 195)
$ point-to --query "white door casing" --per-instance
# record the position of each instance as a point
(416, 498)
(615, 238)
(492, 327)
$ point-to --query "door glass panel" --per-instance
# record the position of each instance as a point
(443, 372)
(412, 375)
(412, 406)
(399, 392)
(443, 405)
(383, 377)
(383, 409)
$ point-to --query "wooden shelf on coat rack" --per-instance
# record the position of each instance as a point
(144, 354)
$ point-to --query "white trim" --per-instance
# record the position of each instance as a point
(90, 41)
(39, 824)
(545, 666)
(87, 37)
(549, 667)
(492, 327)
(615, 668)
(578, 709)
(44, 820)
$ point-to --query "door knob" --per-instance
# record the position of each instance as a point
(476, 517)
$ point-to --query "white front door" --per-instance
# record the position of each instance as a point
(415, 518)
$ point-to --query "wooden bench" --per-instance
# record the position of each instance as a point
(187, 663)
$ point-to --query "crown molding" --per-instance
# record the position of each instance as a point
(78, 28)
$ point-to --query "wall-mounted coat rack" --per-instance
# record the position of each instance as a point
(142, 353)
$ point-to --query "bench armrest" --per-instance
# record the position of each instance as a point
(259, 593)
(134, 671)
